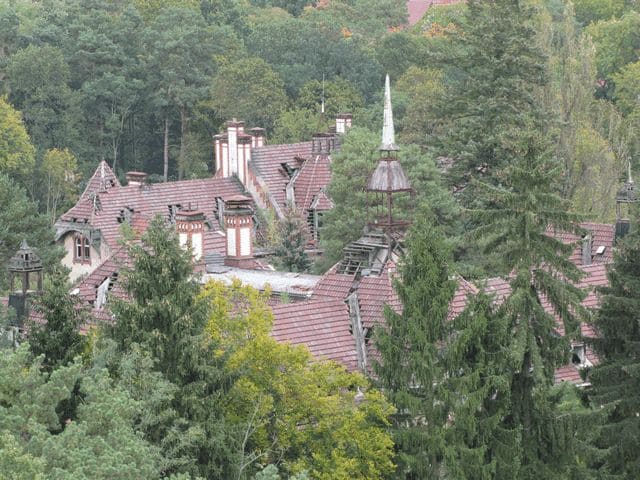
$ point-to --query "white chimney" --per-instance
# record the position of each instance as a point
(233, 128)
(239, 230)
(190, 226)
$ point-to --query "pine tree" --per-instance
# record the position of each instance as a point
(409, 369)
(166, 317)
(58, 338)
(616, 379)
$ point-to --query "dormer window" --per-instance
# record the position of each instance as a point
(82, 250)
(578, 355)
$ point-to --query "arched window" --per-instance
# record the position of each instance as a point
(82, 250)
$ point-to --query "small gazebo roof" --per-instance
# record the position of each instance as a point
(25, 260)
(389, 177)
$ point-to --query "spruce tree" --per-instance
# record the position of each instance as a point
(58, 337)
(495, 67)
(409, 369)
(616, 379)
(165, 316)
(515, 228)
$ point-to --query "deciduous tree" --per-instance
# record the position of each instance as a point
(301, 412)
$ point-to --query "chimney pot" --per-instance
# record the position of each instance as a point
(136, 178)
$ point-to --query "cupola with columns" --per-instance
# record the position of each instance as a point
(389, 178)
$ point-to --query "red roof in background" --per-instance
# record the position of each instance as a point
(602, 235)
(417, 8)
(567, 373)
(311, 180)
(459, 301)
(322, 325)
(268, 161)
(103, 211)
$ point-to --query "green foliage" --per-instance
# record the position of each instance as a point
(19, 219)
(340, 96)
(150, 9)
(423, 87)
(293, 238)
(38, 80)
(297, 411)
(300, 51)
(617, 42)
(514, 228)
(59, 172)
(164, 315)
(615, 380)
(590, 138)
(58, 338)
(248, 89)
(595, 186)
(17, 154)
(589, 11)
(180, 60)
(627, 91)
(408, 369)
(496, 69)
(299, 125)
(97, 442)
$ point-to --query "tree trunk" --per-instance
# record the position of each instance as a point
(166, 149)
(183, 130)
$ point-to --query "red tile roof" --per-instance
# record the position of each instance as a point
(311, 180)
(102, 179)
(460, 298)
(374, 292)
(334, 285)
(104, 211)
(567, 373)
(267, 162)
(88, 287)
(322, 325)
(602, 235)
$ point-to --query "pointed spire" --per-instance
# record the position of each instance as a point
(388, 131)
(629, 179)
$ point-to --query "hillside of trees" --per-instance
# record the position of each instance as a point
(512, 116)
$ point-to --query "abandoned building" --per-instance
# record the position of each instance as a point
(333, 314)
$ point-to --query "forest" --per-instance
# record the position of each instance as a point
(511, 116)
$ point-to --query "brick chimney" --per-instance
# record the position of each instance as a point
(258, 137)
(322, 143)
(586, 250)
(136, 178)
(190, 227)
(239, 230)
(343, 122)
